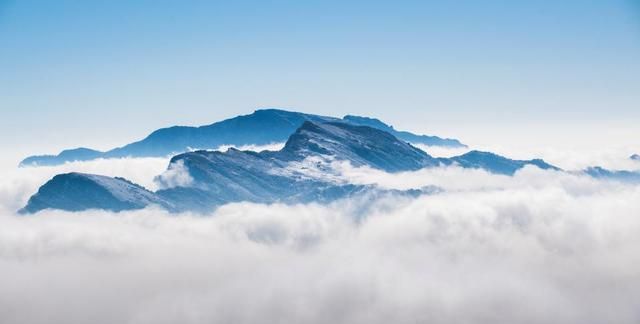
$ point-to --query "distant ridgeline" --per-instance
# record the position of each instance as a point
(262, 127)
(302, 171)
(269, 176)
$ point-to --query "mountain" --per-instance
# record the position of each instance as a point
(300, 172)
(360, 145)
(267, 177)
(405, 136)
(79, 154)
(78, 192)
(495, 163)
(635, 157)
(262, 127)
(617, 175)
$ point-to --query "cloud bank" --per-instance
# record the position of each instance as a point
(539, 247)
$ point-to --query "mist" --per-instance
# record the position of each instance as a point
(538, 247)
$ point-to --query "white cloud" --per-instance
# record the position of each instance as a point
(442, 151)
(539, 247)
(611, 156)
(18, 184)
(177, 175)
(251, 147)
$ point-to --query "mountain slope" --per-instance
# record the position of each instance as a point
(360, 145)
(405, 136)
(264, 177)
(495, 163)
(78, 192)
(264, 126)
(79, 154)
(617, 175)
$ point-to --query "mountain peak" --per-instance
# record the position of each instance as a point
(216, 178)
(495, 163)
(262, 127)
(80, 191)
(69, 155)
(361, 145)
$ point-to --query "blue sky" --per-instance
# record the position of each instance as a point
(101, 73)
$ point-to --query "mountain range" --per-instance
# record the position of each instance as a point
(299, 172)
(302, 171)
(264, 126)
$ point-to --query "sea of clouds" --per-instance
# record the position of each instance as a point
(538, 247)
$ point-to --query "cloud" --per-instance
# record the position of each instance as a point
(539, 247)
(18, 184)
(611, 156)
(177, 175)
(442, 151)
(251, 147)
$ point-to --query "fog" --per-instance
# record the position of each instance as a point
(538, 247)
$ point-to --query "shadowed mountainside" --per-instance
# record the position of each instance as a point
(262, 127)
(217, 178)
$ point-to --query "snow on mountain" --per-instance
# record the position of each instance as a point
(79, 191)
(262, 127)
(299, 172)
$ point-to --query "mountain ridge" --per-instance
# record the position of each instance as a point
(263, 126)
(264, 177)
(76, 191)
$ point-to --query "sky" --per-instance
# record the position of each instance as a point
(524, 79)
(104, 73)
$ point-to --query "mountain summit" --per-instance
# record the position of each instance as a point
(79, 191)
(264, 126)
(300, 172)
(360, 145)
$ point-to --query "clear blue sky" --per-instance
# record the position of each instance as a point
(108, 72)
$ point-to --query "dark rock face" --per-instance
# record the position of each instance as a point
(635, 157)
(261, 127)
(265, 177)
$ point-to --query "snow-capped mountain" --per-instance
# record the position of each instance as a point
(79, 191)
(262, 127)
(215, 177)
(495, 163)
